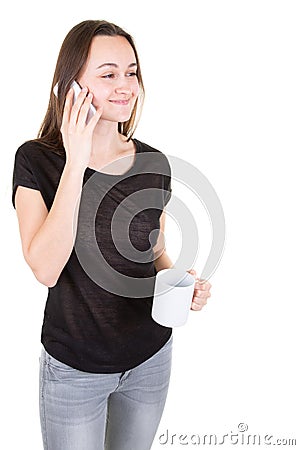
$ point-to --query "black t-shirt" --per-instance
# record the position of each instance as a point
(98, 315)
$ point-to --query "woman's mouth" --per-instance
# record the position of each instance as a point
(120, 102)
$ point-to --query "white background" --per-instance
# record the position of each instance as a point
(222, 86)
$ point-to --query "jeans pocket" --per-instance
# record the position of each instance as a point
(57, 370)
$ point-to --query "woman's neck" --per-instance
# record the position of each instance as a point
(108, 143)
(109, 146)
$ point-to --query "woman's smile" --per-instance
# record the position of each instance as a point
(120, 102)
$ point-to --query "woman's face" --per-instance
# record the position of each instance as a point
(110, 74)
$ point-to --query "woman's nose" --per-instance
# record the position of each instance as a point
(123, 86)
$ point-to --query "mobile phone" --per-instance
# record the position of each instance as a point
(77, 90)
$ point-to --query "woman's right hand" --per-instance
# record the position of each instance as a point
(77, 135)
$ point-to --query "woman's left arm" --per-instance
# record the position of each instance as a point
(163, 261)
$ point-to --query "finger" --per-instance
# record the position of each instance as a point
(200, 300)
(77, 106)
(192, 271)
(83, 112)
(199, 303)
(94, 120)
(196, 307)
(198, 285)
(202, 294)
(67, 108)
(203, 285)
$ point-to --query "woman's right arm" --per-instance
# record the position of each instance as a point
(48, 237)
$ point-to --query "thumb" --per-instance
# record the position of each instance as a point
(192, 272)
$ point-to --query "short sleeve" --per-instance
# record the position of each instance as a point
(22, 173)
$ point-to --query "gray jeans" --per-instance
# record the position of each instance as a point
(118, 411)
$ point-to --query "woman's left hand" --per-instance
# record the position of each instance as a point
(201, 292)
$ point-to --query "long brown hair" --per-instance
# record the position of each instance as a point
(71, 59)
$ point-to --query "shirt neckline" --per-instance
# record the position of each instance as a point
(137, 150)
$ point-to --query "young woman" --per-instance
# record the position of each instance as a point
(105, 364)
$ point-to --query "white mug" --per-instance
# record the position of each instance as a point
(173, 294)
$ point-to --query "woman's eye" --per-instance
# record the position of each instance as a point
(112, 75)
